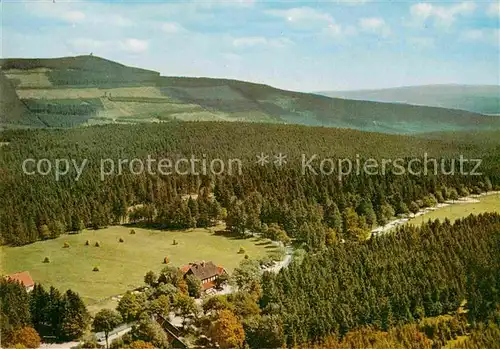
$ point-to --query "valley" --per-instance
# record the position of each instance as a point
(66, 234)
(242, 174)
(122, 265)
(451, 210)
(475, 98)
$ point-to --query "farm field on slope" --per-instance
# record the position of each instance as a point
(122, 265)
(487, 203)
(144, 96)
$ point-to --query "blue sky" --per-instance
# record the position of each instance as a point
(305, 46)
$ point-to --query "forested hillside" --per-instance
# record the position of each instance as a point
(87, 90)
(309, 205)
(395, 279)
(419, 287)
(431, 287)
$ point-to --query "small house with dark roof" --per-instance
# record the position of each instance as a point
(207, 272)
(23, 278)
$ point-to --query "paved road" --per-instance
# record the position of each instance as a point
(116, 333)
(282, 264)
(67, 345)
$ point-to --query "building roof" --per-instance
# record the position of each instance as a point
(23, 277)
(185, 268)
(203, 270)
(208, 285)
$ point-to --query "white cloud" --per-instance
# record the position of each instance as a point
(74, 13)
(134, 45)
(337, 31)
(488, 36)
(301, 15)
(249, 41)
(312, 19)
(333, 30)
(119, 20)
(352, 2)
(231, 56)
(252, 41)
(375, 25)
(72, 16)
(105, 47)
(172, 28)
(244, 3)
(494, 9)
(208, 4)
(442, 15)
(280, 42)
(422, 10)
(65, 12)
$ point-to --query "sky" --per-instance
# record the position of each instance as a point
(295, 45)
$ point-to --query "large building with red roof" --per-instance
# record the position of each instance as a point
(24, 278)
(207, 272)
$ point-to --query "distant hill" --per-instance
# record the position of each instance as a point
(483, 99)
(87, 90)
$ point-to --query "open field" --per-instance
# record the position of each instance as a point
(487, 203)
(33, 78)
(90, 92)
(122, 265)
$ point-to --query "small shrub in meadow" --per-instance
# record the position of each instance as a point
(96, 268)
(246, 256)
(66, 245)
(46, 260)
(132, 232)
(121, 240)
(242, 250)
(87, 243)
(97, 244)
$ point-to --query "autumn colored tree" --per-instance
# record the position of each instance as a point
(26, 336)
(227, 331)
(140, 344)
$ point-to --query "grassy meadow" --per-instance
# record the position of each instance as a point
(122, 265)
(487, 203)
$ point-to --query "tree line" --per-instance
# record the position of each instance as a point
(64, 107)
(314, 209)
(389, 281)
(28, 317)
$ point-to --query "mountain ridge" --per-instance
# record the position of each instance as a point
(87, 90)
(484, 99)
